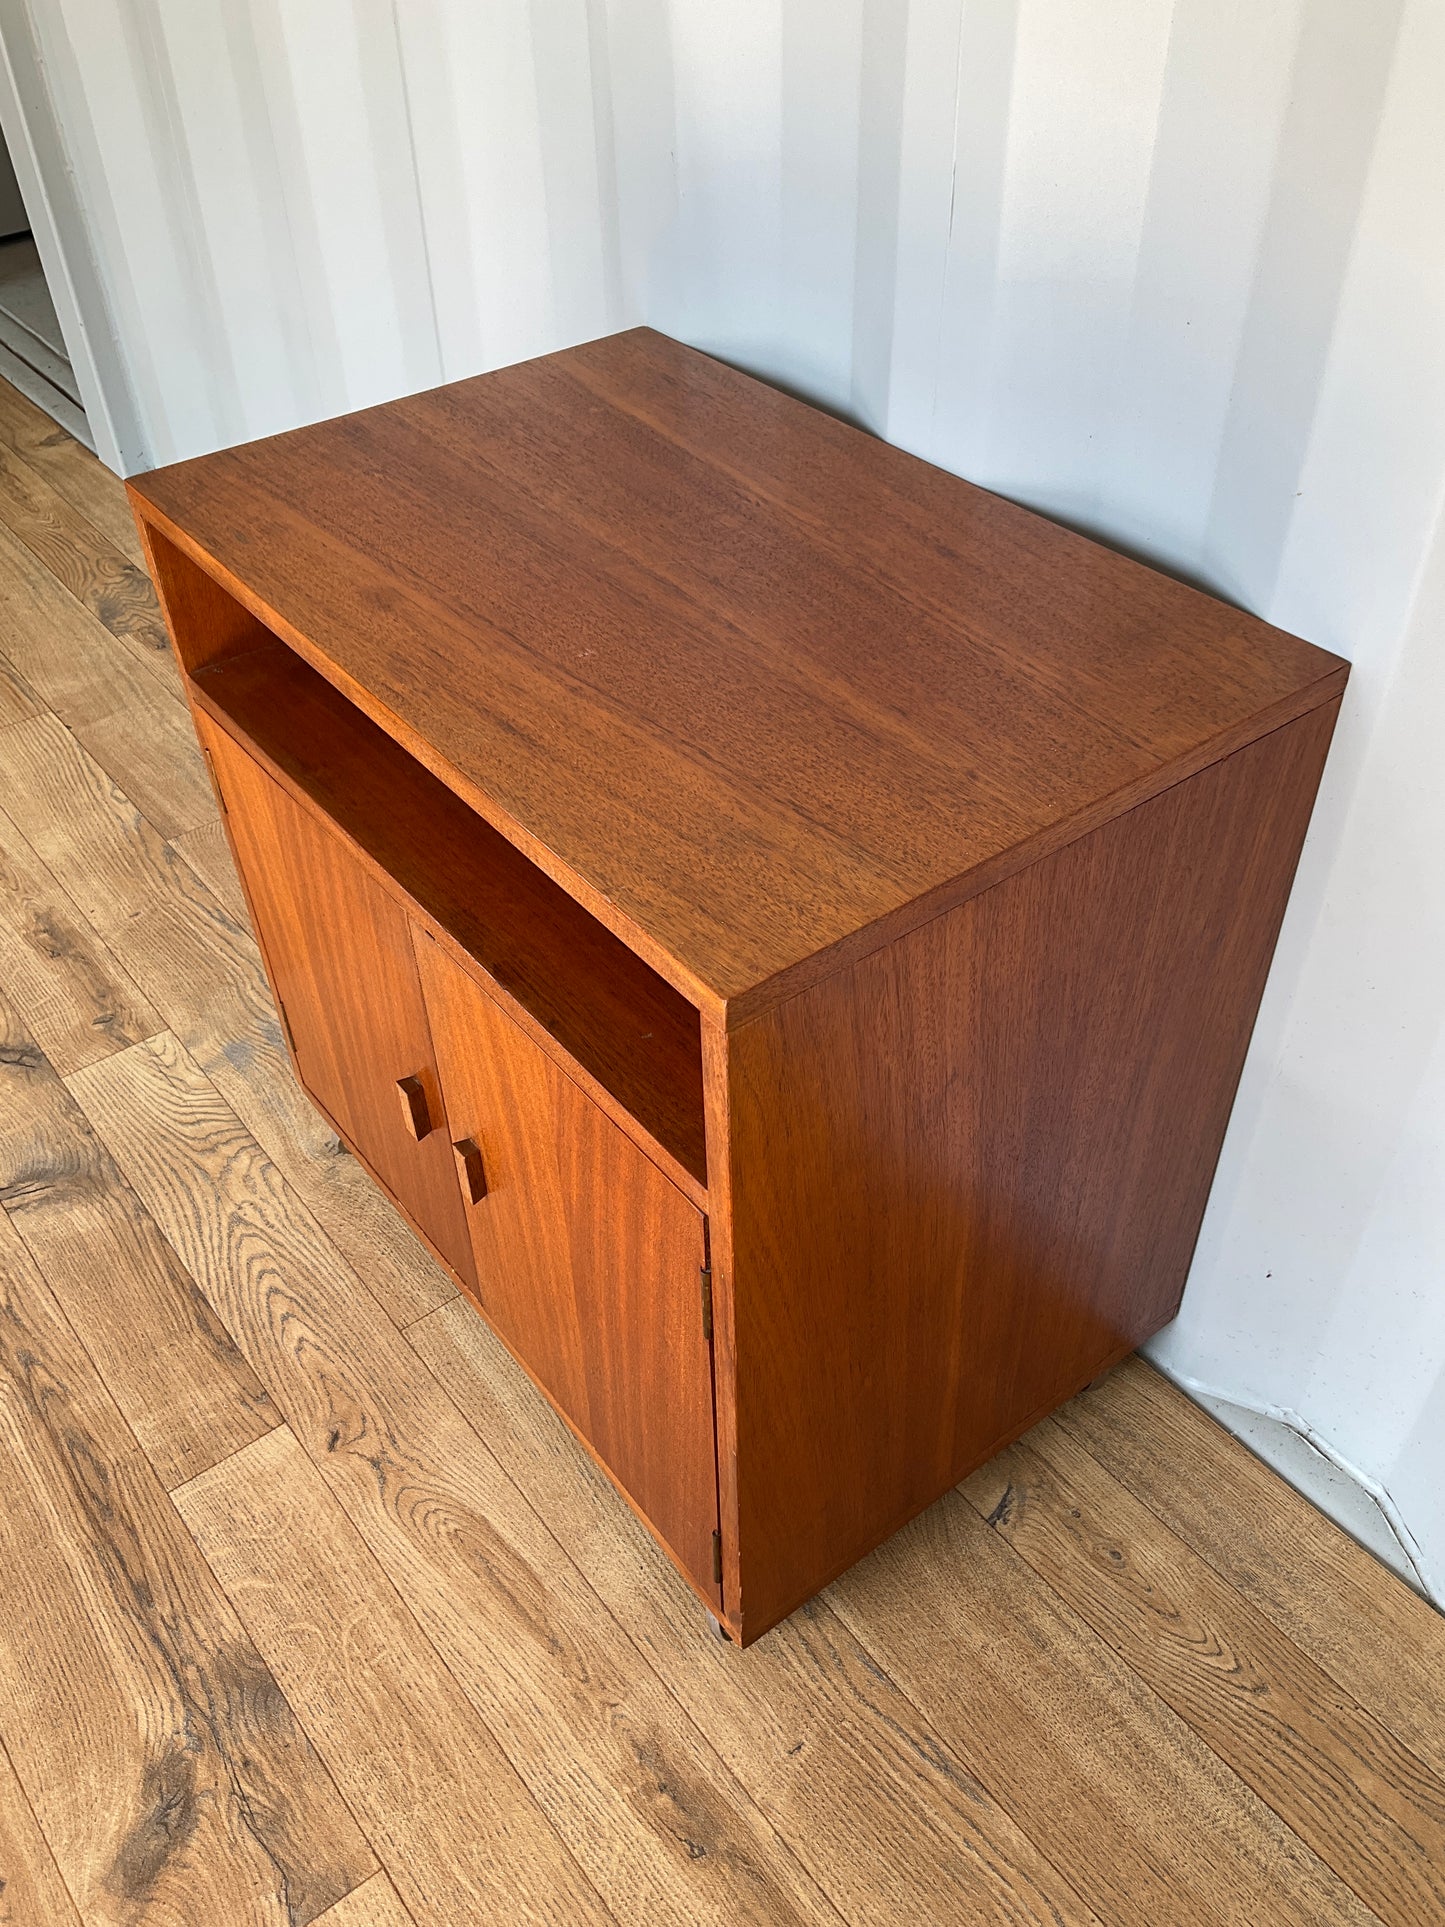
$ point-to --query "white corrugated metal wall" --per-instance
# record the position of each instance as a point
(1168, 269)
(299, 207)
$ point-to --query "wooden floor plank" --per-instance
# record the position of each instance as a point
(100, 576)
(71, 470)
(67, 657)
(166, 1359)
(1347, 1787)
(114, 863)
(1094, 1766)
(648, 1810)
(1380, 1641)
(209, 855)
(161, 1760)
(153, 756)
(373, 1904)
(32, 1894)
(127, 712)
(890, 1822)
(17, 699)
(200, 968)
(76, 999)
(449, 1819)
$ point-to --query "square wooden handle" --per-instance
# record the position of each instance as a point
(414, 1108)
(469, 1163)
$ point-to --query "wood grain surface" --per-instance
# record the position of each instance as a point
(1348, 1788)
(373, 1904)
(200, 969)
(646, 1809)
(588, 1262)
(208, 852)
(79, 1002)
(126, 712)
(71, 470)
(749, 680)
(162, 1761)
(62, 650)
(891, 1822)
(453, 1826)
(625, 1029)
(17, 698)
(171, 1367)
(1376, 1638)
(979, 1159)
(150, 752)
(339, 954)
(91, 569)
(1078, 1747)
(32, 1894)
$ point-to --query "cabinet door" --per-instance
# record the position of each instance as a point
(338, 950)
(588, 1261)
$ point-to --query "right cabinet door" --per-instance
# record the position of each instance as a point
(588, 1260)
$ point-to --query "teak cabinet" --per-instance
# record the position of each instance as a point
(783, 924)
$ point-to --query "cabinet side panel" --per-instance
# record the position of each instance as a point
(205, 623)
(968, 1172)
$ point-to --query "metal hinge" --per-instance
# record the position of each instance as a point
(717, 1558)
(705, 1276)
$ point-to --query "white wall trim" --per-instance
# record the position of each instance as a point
(1410, 1550)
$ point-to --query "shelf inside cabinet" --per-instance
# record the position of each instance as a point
(627, 1029)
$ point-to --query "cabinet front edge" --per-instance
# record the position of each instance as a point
(748, 1005)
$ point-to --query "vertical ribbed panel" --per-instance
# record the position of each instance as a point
(305, 206)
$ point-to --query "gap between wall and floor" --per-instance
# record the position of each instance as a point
(1288, 1443)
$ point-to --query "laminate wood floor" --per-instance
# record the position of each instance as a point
(311, 1611)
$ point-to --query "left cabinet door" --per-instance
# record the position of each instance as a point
(339, 954)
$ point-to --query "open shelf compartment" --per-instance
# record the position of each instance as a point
(625, 1027)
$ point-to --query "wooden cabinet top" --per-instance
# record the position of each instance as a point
(759, 690)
